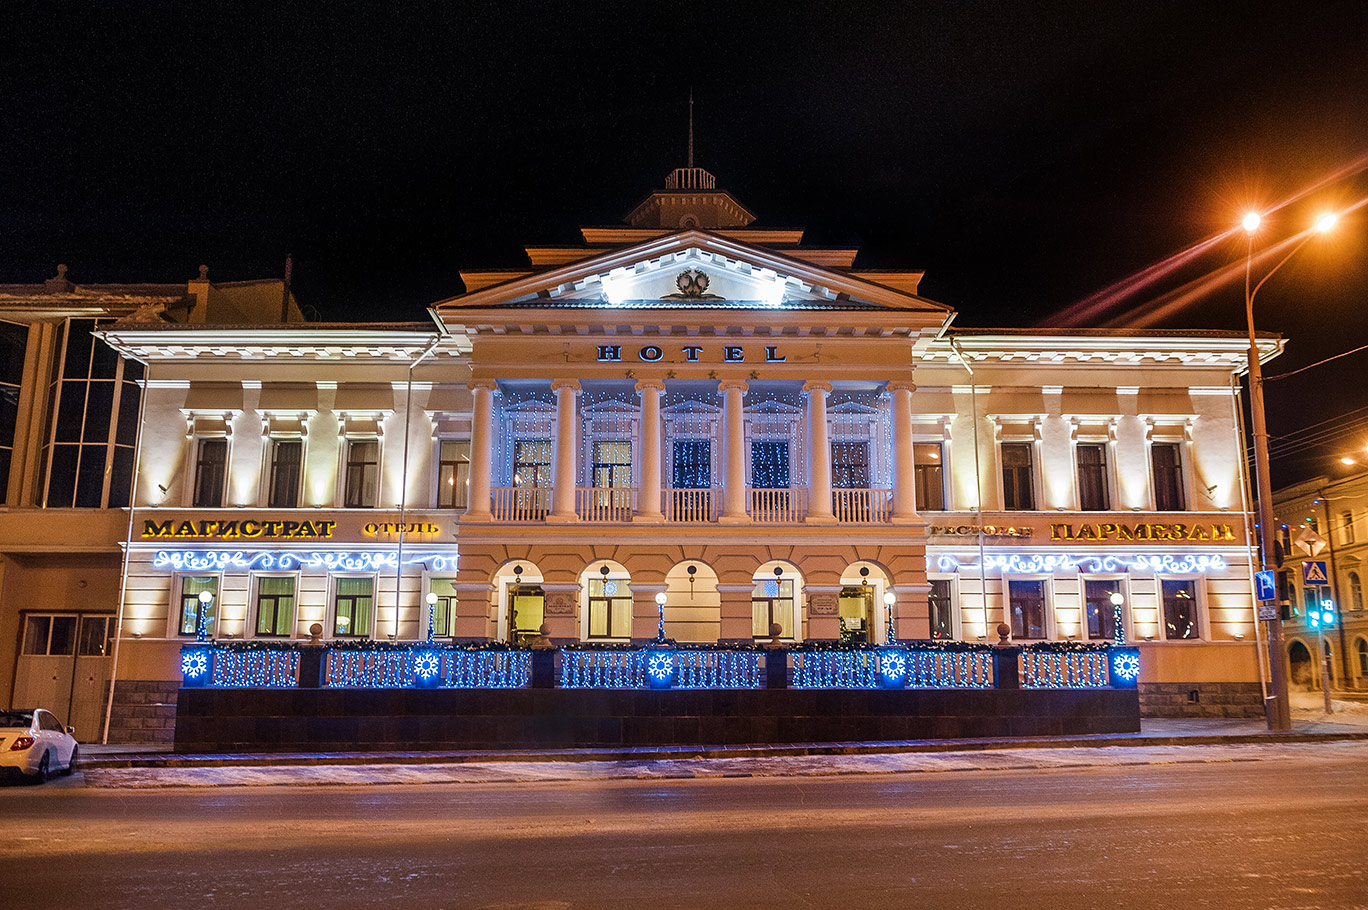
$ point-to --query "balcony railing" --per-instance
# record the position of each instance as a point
(689, 505)
(776, 506)
(520, 503)
(861, 506)
(604, 503)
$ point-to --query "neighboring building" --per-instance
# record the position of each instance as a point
(769, 436)
(69, 416)
(1336, 511)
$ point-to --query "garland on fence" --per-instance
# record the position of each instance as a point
(1069, 647)
(354, 644)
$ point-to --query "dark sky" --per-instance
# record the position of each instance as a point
(1025, 155)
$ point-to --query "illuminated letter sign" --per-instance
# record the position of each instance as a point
(1118, 531)
(650, 353)
(733, 353)
(610, 352)
(691, 352)
(772, 354)
(235, 530)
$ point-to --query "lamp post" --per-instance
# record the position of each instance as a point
(1118, 628)
(432, 616)
(202, 620)
(660, 612)
(1277, 711)
(891, 637)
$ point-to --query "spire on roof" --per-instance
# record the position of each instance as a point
(690, 128)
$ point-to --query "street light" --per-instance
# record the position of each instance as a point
(889, 600)
(432, 615)
(1118, 628)
(660, 611)
(202, 620)
(1278, 712)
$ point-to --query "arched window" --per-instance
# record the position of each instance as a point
(1355, 591)
(1363, 656)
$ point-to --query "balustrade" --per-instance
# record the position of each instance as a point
(605, 503)
(690, 505)
(520, 503)
(1064, 669)
(861, 506)
(776, 506)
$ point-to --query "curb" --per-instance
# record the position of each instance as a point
(649, 753)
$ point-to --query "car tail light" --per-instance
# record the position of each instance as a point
(21, 744)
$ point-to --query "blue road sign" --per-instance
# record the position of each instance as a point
(1265, 585)
(1313, 572)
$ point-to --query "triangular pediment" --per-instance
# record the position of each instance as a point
(689, 270)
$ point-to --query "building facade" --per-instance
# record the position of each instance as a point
(1330, 517)
(783, 445)
(69, 419)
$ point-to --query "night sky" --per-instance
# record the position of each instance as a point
(1025, 155)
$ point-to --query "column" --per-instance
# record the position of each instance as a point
(564, 477)
(648, 486)
(904, 468)
(733, 452)
(818, 454)
(481, 451)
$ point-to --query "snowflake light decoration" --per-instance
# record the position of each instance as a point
(1126, 666)
(194, 664)
(771, 589)
(660, 666)
(427, 664)
(609, 588)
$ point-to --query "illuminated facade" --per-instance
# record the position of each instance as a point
(780, 443)
(1336, 512)
(69, 417)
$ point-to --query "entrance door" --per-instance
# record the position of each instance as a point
(63, 666)
(691, 480)
(856, 604)
(526, 612)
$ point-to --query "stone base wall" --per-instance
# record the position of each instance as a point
(359, 720)
(144, 712)
(1201, 699)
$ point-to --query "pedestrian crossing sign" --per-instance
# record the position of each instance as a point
(1313, 572)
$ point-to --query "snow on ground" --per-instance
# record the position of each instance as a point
(1311, 706)
(773, 766)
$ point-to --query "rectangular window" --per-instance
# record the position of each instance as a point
(444, 607)
(770, 464)
(1101, 612)
(211, 470)
(275, 605)
(610, 608)
(352, 603)
(930, 476)
(612, 467)
(453, 473)
(850, 465)
(532, 463)
(13, 344)
(772, 603)
(1347, 521)
(1092, 478)
(363, 474)
(97, 636)
(691, 464)
(190, 590)
(1026, 599)
(1168, 478)
(1018, 492)
(287, 460)
(942, 626)
(1180, 609)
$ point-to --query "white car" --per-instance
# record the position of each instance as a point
(35, 744)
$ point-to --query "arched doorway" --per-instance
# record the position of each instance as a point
(1299, 667)
(605, 602)
(693, 606)
(774, 602)
(861, 603)
(521, 604)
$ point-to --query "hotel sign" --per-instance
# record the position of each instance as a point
(653, 353)
(237, 529)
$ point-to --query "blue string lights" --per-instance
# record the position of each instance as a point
(1033, 563)
(364, 561)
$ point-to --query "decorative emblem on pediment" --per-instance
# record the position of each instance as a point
(693, 285)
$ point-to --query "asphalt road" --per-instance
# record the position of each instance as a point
(1282, 832)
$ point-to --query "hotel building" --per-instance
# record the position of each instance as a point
(783, 444)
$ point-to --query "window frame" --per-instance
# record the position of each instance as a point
(590, 599)
(1355, 590)
(255, 587)
(272, 466)
(177, 618)
(446, 602)
(460, 489)
(1199, 617)
(1104, 472)
(350, 501)
(197, 482)
(1181, 485)
(1119, 582)
(1031, 486)
(796, 619)
(334, 602)
(921, 469)
(952, 605)
(1047, 631)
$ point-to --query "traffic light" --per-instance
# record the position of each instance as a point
(1323, 616)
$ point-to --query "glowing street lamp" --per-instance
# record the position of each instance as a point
(660, 612)
(1118, 629)
(1278, 711)
(432, 615)
(889, 600)
(206, 598)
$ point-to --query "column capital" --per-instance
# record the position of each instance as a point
(572, 384)
(488, 385)
(816, 385)
(727, 385)
(655, 384)
(898, 385)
